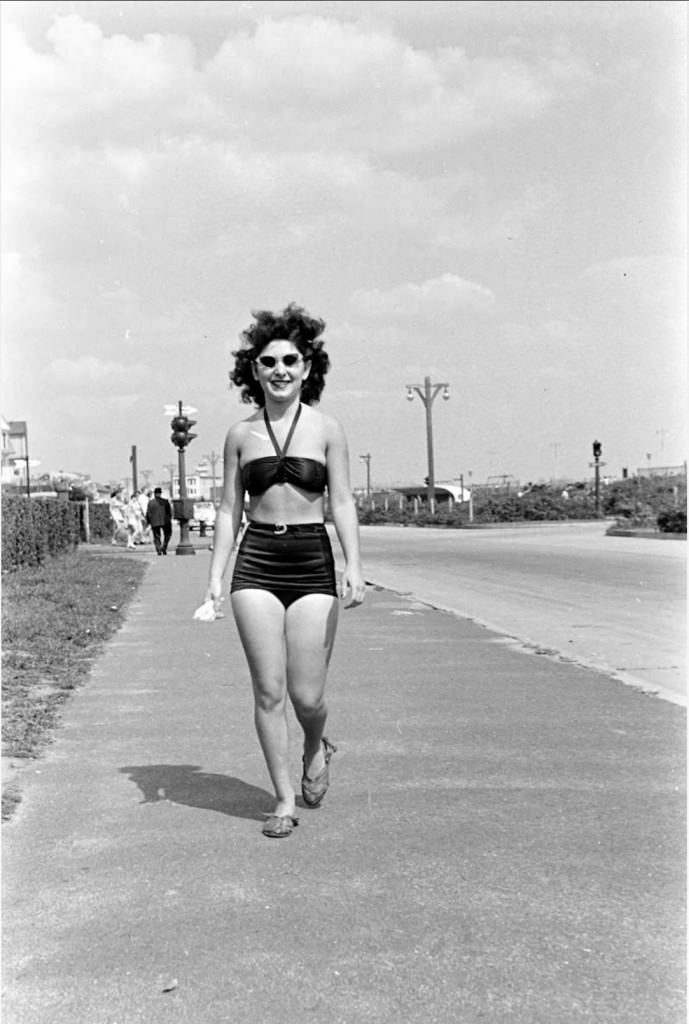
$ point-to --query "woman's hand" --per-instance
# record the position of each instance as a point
(354, 584)
(214, 594)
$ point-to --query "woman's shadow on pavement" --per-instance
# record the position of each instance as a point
(188, 784)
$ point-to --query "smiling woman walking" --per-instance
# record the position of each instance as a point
(284, 594)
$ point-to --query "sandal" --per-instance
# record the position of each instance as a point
(313, 790)
(278, 827)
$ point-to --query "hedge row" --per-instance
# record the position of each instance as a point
(36, 529)
(100, 521)
(674, 521)
(533, 507)
(657, 503)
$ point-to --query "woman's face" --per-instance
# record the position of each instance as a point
(281, 370)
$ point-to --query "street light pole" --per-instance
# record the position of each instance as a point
(428, 395)
(367, 460)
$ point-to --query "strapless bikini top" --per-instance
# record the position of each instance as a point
(260, 474)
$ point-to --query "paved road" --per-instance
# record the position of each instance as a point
(617, 604)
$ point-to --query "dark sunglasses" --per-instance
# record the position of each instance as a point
(268, 362)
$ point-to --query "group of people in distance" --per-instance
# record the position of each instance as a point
(140, 517)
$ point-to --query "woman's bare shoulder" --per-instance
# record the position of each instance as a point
(239, 431)
(323, 419)
(333, 433)
(329, 427)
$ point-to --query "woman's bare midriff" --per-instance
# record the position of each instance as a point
(286, 504)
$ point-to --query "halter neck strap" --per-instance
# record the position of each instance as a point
(281, 452)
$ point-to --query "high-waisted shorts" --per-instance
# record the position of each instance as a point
(289, 561)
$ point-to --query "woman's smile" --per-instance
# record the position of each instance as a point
(280, 368)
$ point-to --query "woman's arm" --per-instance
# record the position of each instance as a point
(344, 513)
(228, 519)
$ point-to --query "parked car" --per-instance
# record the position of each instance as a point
(204, 516)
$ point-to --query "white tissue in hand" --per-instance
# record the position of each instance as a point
(206, 613)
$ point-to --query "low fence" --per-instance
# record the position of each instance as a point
(484, 507)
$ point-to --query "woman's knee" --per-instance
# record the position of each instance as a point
(308, 704)
(269, 698)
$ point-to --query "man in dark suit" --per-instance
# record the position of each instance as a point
(159, 518)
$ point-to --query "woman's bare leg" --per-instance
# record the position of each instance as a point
(310, 627)
(260, 619)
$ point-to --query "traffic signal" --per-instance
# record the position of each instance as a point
(181, 431)
(597, 449)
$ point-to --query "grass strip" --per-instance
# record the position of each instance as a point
(55, 621)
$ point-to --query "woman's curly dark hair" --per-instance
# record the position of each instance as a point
(292, 324)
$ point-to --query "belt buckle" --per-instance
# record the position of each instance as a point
(279, 528)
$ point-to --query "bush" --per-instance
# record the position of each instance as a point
(637, 500)
(100, 522)
(644, 497)
(376, 516)
(35, 529)
(673, 521)
(539, 505)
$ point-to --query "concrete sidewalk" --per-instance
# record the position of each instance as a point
(503, 839)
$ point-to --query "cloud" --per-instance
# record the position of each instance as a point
(134, 143)
(286, 85)
(438, 298)
(295, 80)
(92, 84)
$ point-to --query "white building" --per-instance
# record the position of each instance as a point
(15, 452)
(201, 484)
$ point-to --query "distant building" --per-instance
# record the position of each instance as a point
(192, 484)
(201, 484)
(662, 471)
(15, 452)
(199, 487)
(502, 482)
(443, 491)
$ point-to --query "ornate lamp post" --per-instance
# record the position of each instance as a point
(428, 393)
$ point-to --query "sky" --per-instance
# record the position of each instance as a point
(490, 195)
